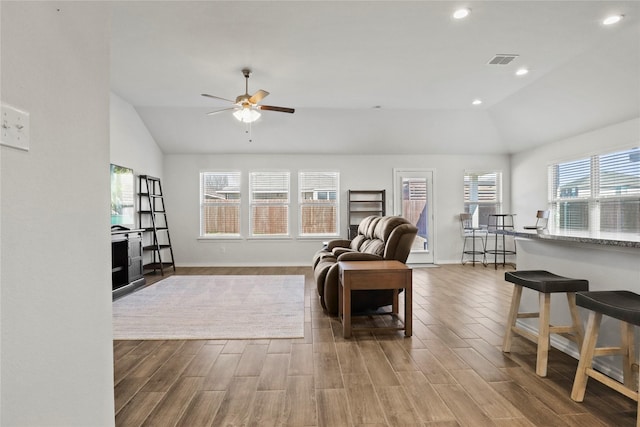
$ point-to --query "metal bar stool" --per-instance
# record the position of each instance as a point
(469, 232)
(621, 305)
(545, 283)
(498, 222)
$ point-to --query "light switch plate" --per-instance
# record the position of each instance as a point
(14, 127)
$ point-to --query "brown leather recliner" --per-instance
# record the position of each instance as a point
(378, 238)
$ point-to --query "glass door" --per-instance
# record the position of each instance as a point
(412, 199)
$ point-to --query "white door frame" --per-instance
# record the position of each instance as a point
(418, 256)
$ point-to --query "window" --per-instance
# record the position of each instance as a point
(319, 205)
(482, 195)
(599, 193)
(570, 191)
(269, 203)
(220, 204)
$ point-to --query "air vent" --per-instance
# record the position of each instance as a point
(502, 59)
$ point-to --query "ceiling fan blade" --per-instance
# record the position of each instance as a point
(221, 111)
(258, 96)
(272, 108)
(217, 97)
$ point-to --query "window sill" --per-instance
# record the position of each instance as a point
(218, 238)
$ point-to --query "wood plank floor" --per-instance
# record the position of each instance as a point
(450, 373)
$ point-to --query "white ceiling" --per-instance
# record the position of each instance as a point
(335, 61)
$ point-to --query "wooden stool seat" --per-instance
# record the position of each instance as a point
(621, 305)
(545, 283)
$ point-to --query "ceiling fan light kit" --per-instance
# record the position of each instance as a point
(247, 115)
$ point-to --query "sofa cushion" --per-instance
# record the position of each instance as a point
(368, 226)
(357, 242)
(375, 247)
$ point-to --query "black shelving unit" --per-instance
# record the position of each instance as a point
(153, 220)
(364, 203)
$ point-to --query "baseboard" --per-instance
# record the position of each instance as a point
(244, 264)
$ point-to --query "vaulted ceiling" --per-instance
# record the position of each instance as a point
(376, 76)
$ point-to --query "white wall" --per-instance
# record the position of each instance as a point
(132, 145)
(56, 364)
(358, 172)
(529, 168)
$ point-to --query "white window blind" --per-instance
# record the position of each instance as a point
(269, 202)
(220, 204)
(599, 193)
(619, 191)
(570, 185)
(319, 203)
(482, 195)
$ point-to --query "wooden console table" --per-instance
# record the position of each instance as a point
(374, 275)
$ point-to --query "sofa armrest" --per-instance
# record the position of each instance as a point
(359, 256)
(338, 243)
(337, 251)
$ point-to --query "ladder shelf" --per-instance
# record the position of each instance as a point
(153, 221)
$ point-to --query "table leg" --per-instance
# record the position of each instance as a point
(340, 298)
(395, 305)
(346, 309)
(408, 304)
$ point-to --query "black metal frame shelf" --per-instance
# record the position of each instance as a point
(152, 217)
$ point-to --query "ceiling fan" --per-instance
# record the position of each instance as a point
(247, 106)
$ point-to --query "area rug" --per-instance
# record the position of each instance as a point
(213, 307)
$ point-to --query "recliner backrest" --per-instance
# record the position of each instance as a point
(386, 225)
(356, 242)
(373, 246)
(399, 241)
(390, 237)
(366, 224)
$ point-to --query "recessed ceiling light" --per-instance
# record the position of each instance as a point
(461, 13)
(613, 19)
(476, 102)
(522, 72)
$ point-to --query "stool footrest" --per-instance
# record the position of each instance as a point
(525, 334)
(608, 351)
(617, 386)
(528, 315)
(562, 329)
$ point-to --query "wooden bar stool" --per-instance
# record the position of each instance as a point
(621, 305)
(545, 283)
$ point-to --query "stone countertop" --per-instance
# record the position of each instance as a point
(601, 238)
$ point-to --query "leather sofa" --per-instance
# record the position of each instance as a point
(379, 238)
